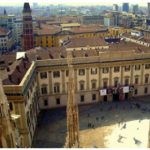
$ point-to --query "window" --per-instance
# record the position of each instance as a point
(46, 42)
(81, 72)
(105, 70)
(67, 73)
(137, 67)
(136, 80)
(56, 89)
(10, 106)
(93, 97)
(105, 84)
(94, 71)
(147, 66)
(116, 83)
(44, 90)
(56, 74)
(146, 79)
(81, 86)
(58, 101)
(43, 75)
(82, 98)
(116, 69)
(127, 68)
(145, 90)
(45, 102)
(126, 82)
(93, 85)
(136, 91)
(2, 62)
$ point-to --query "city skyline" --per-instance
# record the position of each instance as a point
(74, 3)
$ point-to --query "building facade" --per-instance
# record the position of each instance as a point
(91, 78)
(6, 40)
(93, 20)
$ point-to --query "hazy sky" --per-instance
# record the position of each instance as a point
(74, 2)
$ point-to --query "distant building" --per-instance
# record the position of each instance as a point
(136, 33)
(115, 7)
(35, 5)
(148, 8)
(93, 20)
(8, 22)
(5, 40)
(135, 9)
(109, 21)
(125, 7)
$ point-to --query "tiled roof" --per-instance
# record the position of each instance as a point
(16, 74)
(10, 58)
(3, 31)
(83, 42)
(60, 53)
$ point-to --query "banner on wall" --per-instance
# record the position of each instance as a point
(131, 88)
(126, 89)
(103, 92)
(117, 90)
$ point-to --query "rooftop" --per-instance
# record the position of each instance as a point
(14, 73)
(83, 42)
(3, 31)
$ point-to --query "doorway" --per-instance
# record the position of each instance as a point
(105, 98)
(126, 96)
(115, 97)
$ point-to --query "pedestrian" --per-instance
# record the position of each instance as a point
(119, 124)
(97, 118)
(116, 106)
(93, 126)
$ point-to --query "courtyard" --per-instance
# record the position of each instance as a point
(120, 127)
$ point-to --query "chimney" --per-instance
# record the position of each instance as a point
(9, 76)
(8, 69)
(17, 67)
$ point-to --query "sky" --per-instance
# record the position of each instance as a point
(73, 2)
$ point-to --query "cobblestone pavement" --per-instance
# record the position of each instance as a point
(106, 133)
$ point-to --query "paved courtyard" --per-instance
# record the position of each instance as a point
(106, 133)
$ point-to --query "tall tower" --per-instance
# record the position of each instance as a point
(148, 8)
(72, 139)
(7, 133)
(28, 37)
(125, 7)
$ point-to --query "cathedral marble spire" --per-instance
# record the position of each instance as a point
(72, 139)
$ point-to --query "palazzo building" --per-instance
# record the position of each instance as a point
(38, 78)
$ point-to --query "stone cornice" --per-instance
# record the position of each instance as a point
(91, 65)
